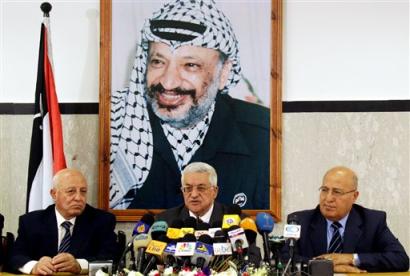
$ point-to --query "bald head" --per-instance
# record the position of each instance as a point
(67, 175)
(346, 172)
(69, 192)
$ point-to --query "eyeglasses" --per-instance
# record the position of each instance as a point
(335, 192)
(201, 188)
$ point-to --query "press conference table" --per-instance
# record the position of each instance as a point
(375, 274)
(337, 274)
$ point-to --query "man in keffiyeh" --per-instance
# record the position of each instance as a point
(176, 110)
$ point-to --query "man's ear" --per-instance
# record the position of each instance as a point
(226, 69)
(53, 193)
(216, 191)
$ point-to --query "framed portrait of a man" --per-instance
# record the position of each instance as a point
(184, 81)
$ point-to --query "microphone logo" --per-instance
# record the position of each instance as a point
(185, 248)
(156, 247)
(142, 229)
(292, 231)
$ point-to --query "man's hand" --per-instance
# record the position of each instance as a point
(44, 266)
(65, 262)
(342, 262)
(347, 269)
(338, 258)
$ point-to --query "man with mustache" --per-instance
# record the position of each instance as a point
(355, 238)
(177, 111)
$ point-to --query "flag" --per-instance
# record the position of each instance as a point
(46, 150)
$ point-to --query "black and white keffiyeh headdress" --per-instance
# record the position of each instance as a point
(177, 23)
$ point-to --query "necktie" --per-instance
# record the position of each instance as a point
(65, 242)
(336, 244)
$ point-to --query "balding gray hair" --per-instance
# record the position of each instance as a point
(201, 167)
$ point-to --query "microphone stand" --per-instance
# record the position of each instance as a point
(132, 261)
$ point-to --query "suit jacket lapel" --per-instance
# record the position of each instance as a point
(184, 214)
(50, 226)
(217, 213)
(318, 235)
(81, 233)
(353, 231)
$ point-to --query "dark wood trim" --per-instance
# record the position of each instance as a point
(347, 106)
(65, 108)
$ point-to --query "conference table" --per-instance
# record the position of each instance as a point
(375, 274)
(336, 274)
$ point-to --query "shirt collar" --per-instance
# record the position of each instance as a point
(206, 217)
(342, 222)
(61, 219)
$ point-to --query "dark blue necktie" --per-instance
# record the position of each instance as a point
(336, 243)
(65, 242)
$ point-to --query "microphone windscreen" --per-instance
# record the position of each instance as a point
(248, 224)
(141, 240)
(205, 239)
(251, 231)
(293, 219)
(220, 236)
(234, 209)
(177, 223)
(202, 226)
(190, 222)
(264, 222)
(233, 227)
(158, 228)
(188, 238)
(148, 219)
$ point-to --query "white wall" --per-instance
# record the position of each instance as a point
(75, 36)
(346, 50)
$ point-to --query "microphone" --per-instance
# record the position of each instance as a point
(158, 229)
(186, 248)
(155, 249)
(264, 223)
(220, 244)
(203, 251)
(141, 242)
(201, 229)
(276, 244)
(189, 226)
(169, 254)
(174, 230)
(232, 216)
(143, 225)
(251, 232)
(291, 233)
(238, 240)
(215, 226)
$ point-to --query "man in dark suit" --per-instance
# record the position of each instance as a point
(355, 238)
(65, 236)
(200, 189)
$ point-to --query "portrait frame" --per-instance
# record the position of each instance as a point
(105, 70)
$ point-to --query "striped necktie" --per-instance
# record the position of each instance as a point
(336, 243)
(65, 242)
